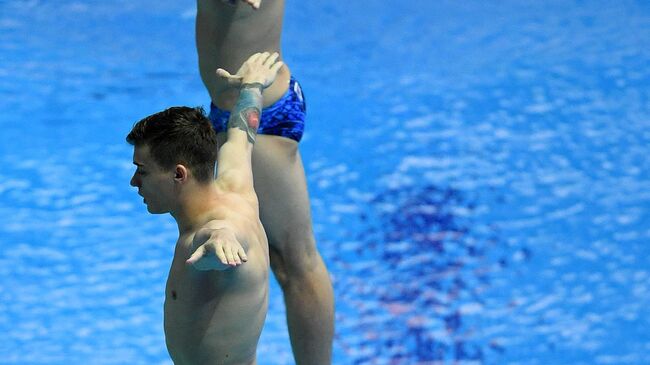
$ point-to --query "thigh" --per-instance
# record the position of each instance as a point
(281, 188)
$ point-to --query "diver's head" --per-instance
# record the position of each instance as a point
(172, 150)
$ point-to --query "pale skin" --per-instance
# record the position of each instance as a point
(216, 295)
(227, 31)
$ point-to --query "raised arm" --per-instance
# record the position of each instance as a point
(234, 159)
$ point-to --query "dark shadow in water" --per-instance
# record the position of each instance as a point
(430, 270)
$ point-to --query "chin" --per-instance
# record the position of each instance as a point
(153, 210)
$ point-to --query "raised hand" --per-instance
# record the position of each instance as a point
(260, 68)
(216, 249)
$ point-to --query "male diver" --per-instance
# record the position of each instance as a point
(216, 295)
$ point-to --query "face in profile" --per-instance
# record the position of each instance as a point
(155, 184)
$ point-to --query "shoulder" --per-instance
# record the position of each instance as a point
(235, 193)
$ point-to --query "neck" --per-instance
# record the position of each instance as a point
(195, 207)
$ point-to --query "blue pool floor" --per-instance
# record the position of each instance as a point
(478, 173)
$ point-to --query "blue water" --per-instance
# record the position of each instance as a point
(479, 176)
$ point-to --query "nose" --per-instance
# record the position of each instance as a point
(135, 182)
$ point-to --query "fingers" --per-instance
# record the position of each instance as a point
(221, 255)
(226, 254)
(256, 56)
(242, 254)
(260, 68)
(231, 80)
(270, 58)
(276, 67)
(270, 61)
(196, 256)
(255, 4)
(232, 255)
(230, 258)
(236, 255)
(223, 73)
(266, 59)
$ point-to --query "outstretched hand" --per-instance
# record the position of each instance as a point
(260, 68)
(216, 249)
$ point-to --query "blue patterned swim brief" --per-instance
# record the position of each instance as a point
(284, 118)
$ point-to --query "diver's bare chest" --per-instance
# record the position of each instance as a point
(183, 281)
(177, 281)
(188, 286)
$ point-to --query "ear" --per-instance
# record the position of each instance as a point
(181, 173)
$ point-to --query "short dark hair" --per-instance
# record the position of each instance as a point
(179, 135)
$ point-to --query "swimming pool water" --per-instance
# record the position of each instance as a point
(478, 172)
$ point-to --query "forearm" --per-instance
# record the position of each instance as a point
(247, 112)
(235, 155)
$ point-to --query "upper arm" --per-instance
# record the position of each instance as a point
(234, 169)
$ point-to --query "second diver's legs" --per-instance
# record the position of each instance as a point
(285, 212)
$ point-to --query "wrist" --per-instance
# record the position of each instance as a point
(252, 86)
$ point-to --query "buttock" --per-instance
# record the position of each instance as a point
(284, 118)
